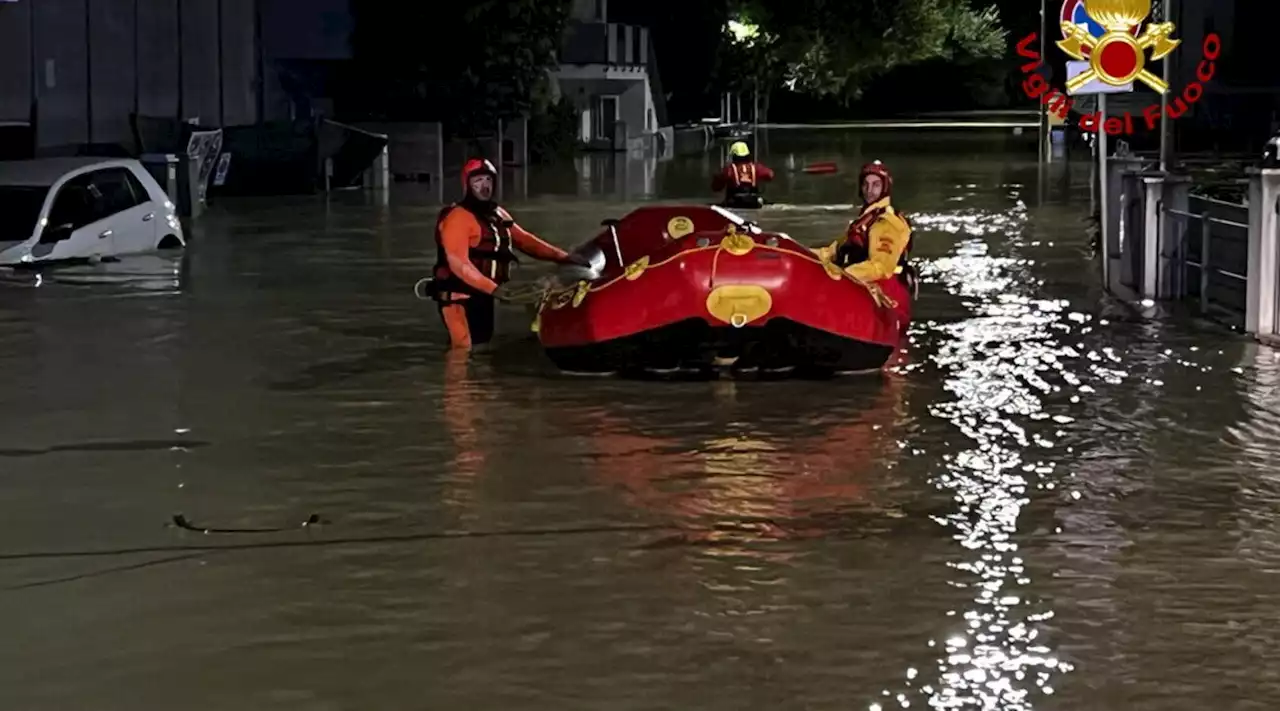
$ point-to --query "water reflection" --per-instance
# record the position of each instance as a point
(750, 469)
(155, 274)
(998, 363)
(617, 175)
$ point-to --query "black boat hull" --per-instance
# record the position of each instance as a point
(695, 346)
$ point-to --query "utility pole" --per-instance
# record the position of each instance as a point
(1165, 13)
(1045, 150)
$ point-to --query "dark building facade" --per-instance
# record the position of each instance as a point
(76, 70)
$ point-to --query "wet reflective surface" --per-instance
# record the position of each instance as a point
(1051, 504)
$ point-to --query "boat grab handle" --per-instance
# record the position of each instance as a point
(617, 248)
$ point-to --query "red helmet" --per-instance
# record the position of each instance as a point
(474, 167)
(877, 168)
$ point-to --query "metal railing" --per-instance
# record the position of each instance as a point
(1224, 254)
(1205, 264)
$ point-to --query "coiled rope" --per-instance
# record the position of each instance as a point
(516, 294)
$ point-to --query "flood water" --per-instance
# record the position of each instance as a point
(1055, 503)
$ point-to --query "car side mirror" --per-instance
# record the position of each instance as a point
(57, 234)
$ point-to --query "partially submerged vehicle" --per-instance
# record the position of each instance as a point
(82, 209)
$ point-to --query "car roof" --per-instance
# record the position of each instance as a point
(44, 172)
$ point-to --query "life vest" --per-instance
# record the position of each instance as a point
(744, 175)
(857, 243)
(493, 256)
(744, 179)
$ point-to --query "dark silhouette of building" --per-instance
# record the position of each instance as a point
(75, 72)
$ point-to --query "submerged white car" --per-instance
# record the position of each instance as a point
(78, 209)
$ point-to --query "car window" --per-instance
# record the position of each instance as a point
(19, 211)
(115, 191)
(139, 191)
(77, 204)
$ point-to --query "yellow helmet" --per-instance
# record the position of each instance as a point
(740, 150)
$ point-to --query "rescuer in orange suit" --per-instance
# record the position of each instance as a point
(740, 179)
(474, 241)
(877, 244)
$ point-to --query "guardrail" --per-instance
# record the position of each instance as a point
(1224, 257)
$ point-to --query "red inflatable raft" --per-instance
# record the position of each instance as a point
(676, 288)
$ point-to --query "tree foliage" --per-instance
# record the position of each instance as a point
(836, 47)
(464, 63)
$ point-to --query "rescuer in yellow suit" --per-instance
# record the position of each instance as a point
(877, 244)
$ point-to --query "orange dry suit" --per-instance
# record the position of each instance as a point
(474, 253)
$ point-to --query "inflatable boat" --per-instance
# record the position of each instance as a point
(676, 289)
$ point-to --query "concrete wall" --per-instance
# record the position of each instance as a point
(158, 64)
(415, 151)
(112, 70)
(632, 105)
(239, 63)
(15, 62)
(583, 87)
(88, 64)
(62, 72)
(201, 75)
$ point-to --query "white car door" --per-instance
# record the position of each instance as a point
(75, 226)
(131, 214)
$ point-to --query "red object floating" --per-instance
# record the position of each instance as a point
(822, 167)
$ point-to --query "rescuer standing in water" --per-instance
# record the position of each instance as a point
(740, 179)
(474, 241)
(877, 244)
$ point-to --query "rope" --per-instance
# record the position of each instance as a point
(525, 293)
(877, 294)
(519, 294)
(544, 292)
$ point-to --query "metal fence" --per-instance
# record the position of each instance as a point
(1222, 256)
(1213, 245)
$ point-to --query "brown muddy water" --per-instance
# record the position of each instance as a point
(1054, 504)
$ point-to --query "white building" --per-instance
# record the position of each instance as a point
(608, 70)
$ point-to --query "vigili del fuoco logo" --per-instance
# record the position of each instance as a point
(1108, 41)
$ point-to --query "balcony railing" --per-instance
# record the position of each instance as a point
(605, 43)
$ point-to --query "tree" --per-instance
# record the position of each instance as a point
(835, 47)
(466, 64)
